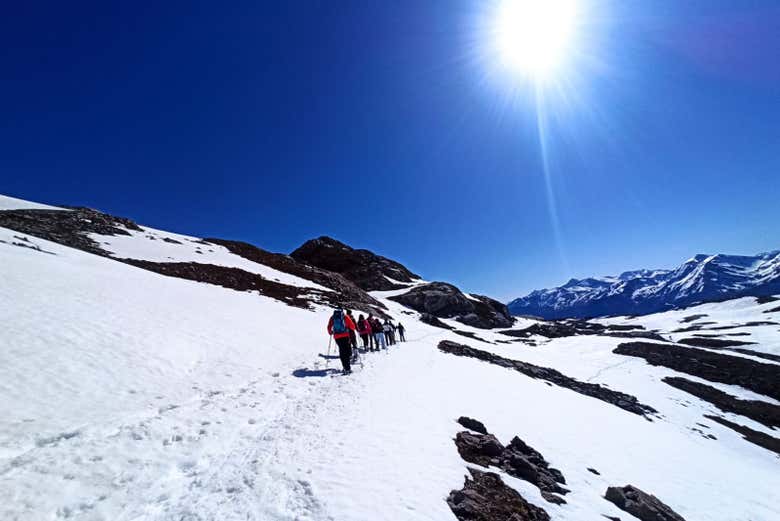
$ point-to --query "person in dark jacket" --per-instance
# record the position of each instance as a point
(401, 330)
(339, 326)
(389, 332)
(379, 334)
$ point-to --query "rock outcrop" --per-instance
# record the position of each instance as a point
(68, 227)
(446, 301)
(472, 424)
(624, 401)
(485, 497)
(366, 269)
(755, 437)
(566, 328)
(516, 459)
(762, 412)
(641, 505)
(348, 294)
(715, 367)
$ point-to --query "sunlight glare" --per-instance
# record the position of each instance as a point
(534, 37)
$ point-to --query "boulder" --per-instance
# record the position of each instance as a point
(446, 301)
(472, 424)
(485, 497)
(641, 505)
(481, 449)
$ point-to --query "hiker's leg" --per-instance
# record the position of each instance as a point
(344, 352)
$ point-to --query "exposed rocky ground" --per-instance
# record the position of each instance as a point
(565, 328)
(516, 459)
(715, 367)
(446, 301)
(762, 412)
(72, 228)
(485, 497)
(69, 228)
(366, 269)
(349, 295)
(641, 505)
(753, 436)
(616, 398)
(713, 343)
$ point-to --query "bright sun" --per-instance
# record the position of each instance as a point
(534, 37)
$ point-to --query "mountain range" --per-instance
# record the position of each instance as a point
(703, 278)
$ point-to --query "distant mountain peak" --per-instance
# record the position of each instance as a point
(702, 278)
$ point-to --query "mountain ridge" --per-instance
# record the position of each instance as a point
(702, 278)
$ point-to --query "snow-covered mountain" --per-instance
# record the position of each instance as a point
(704, 278)
(150, 375)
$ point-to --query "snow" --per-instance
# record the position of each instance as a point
(729, 313)
(151, 245)
(128, 395)
(12, 203)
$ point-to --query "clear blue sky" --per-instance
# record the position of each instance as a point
(380, 123)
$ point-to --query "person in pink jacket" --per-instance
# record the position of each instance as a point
(364, 330)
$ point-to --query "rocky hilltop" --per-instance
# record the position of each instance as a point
(368, 270)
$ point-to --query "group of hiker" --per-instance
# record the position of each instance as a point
(374, 334)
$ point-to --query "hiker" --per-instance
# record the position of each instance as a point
(371, 331)
(353, 338)
(401, 330)
(379, 334)
(388, 329)
(364, 330)
(339, 326)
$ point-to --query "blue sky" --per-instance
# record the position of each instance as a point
(384, 125)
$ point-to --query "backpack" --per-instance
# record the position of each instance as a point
(338, 323)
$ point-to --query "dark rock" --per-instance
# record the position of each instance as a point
(566, 328)
(713, 342)
(232, 278)
(521, 461)
(472, 424)
(715, 367)
(516, 459)
(766, 299)
(641, 505)
(348, 294)
(616, 398)
(762, 412)
(446, 301)
(172, 241)
(692, 318)
(469, 334)
(364, 268)
(485, 497)
(427, 318)
(756, 437)
(480, 449)
(68, 227)
(594, 471)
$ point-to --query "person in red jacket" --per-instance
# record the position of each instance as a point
(339, 326)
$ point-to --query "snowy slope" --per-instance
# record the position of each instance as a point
(700, 279)
(129, 395)
(12, 203)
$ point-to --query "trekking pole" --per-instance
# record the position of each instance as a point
(327, 359)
